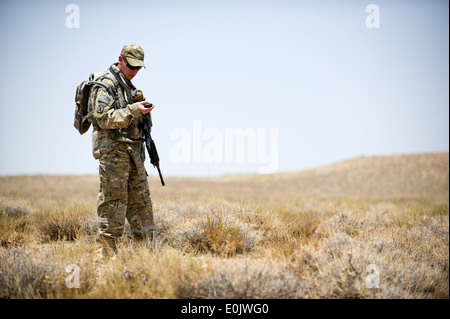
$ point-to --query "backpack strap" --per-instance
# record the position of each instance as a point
(108, 88)
(131, 90)
(114, 93)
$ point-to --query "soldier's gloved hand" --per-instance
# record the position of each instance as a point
(143, 109)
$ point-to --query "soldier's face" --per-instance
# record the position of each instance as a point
(129, 73)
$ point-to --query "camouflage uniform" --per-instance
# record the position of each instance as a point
(117, 144)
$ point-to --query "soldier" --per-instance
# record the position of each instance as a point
(117, 144)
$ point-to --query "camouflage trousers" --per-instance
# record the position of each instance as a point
(124, 194)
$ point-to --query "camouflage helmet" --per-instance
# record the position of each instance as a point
(133, 54)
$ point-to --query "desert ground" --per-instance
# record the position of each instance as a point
(369, 227)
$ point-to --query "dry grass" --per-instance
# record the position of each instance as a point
(342, 231)
(241, 279)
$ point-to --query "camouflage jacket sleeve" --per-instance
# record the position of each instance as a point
(104, 113)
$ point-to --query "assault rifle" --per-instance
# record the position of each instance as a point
(150, 145)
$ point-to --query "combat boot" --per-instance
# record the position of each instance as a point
(108, 249)
(145, 240)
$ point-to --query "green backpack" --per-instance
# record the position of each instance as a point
(83, 116)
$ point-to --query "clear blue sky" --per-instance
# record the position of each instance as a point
(332, 88)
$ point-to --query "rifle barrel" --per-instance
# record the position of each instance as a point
(160, 176)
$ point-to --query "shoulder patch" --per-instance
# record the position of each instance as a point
(104, 99)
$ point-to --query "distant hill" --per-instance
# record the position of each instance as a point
(415, 175)
(401, 176)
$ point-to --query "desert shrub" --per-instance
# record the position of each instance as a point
(14, 231)
(300, 226)
(337, 268)
(242, 279)
(222, 236)
(140, 272)
(218, 234)
(14, 223)
(411, 260)
(60, 227)
(66, 223)
(345, 222)
(165, 222)
(29, 274)
(21, 276)
(14, 209)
